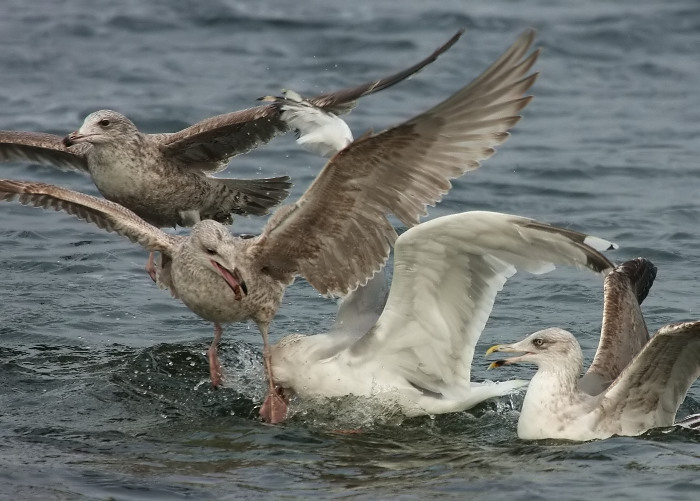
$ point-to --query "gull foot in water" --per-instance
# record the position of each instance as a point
(274, 409)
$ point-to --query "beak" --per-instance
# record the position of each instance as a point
(73, 138)
(233, 279)
(496, 347)
(508, 348)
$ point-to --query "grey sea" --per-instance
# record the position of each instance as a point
(104, 388)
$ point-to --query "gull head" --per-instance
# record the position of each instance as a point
(548, 347)
(100, 127)
(214, 247)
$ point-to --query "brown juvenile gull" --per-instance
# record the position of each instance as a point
(337, 235)
(165, 178)
(416, 354)
(645, 394)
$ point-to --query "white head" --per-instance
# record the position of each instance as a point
(100, 127)
(548, 348)
(214, 247)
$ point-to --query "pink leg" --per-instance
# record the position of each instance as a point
(274, 409)
(215, 371)
(151, 266)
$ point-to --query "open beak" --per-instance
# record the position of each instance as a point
(233, 279)
(73, 138)
(507, 348)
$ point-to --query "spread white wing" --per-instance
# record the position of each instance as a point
(447, 273)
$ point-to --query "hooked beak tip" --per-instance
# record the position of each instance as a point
(495, 347)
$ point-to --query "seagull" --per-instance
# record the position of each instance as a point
(337, 235)
(167, 178)
(416, 352)
(645, 393)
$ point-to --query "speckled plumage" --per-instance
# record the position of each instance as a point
(165, 178)
(644, 393)
(338, 234)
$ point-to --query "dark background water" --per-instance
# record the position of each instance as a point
(103, 380)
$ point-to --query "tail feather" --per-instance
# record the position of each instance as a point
(257, 196)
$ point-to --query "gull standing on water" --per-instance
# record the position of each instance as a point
(337, 235)
(644, 392)
(417, 353)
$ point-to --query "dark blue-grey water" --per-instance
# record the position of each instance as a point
(103, 379)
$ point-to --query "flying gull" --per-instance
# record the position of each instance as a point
(337, 235)
(417, 352)
(645, 394)
(166, 178)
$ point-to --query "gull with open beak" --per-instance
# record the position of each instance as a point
(338, 234)
(631, 386)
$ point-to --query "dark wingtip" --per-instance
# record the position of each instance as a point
(641, 273)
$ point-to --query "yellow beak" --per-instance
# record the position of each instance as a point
(495, 347)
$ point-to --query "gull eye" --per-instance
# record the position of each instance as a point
(538, 342)
(211, 252)
(104, 122)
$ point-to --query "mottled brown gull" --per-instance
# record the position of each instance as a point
(337, 235)
(645, 393)
(166, 178)
(415, 354)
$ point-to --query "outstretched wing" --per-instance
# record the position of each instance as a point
(624, 332)
(105, 214)
(360, 309)
(338, 233)
(447, 273)
(649, 391)
(209, 144)
(40, 148)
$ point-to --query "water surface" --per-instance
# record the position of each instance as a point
(104, 392)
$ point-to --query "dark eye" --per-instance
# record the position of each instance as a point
(538, 342)
(104, 122)
(211, 252)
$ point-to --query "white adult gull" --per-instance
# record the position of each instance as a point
(337, 235)
(645, 393)
(416, 353)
